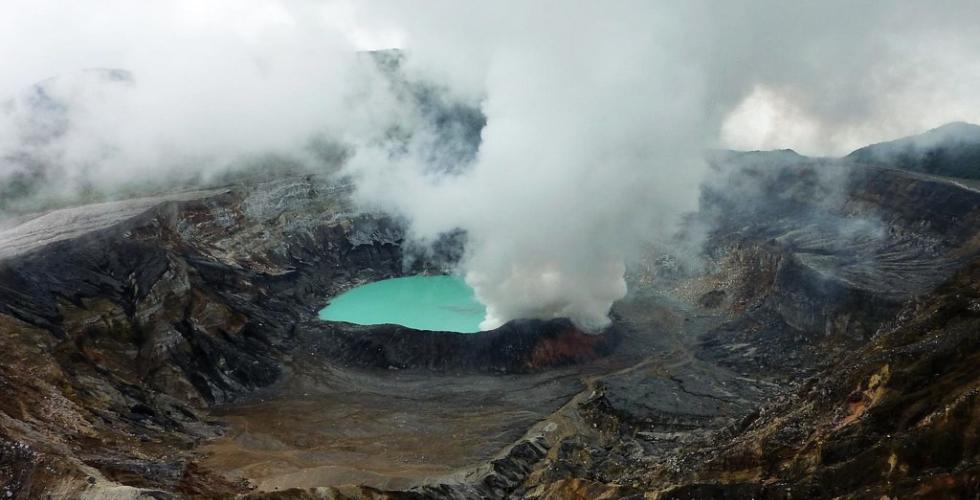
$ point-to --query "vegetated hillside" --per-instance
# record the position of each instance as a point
(952, 150)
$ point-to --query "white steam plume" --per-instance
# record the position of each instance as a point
(586, 153)
(597, 114)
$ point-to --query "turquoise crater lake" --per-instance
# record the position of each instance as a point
(442, 303)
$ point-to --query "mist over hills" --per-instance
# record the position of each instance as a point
(51, 150)
(32, 165)
(952, 150)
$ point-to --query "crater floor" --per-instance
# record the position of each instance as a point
(391, 433)
(400, 429)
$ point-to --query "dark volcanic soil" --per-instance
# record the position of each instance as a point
(824, 346)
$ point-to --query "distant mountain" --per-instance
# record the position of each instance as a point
(721, 159)
(952, 150)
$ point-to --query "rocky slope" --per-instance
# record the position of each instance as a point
(850, 335)
(896, 418)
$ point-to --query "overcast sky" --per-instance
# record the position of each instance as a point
(930, 73)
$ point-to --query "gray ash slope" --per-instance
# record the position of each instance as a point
(830, 330)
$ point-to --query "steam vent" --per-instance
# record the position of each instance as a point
(375, 250)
